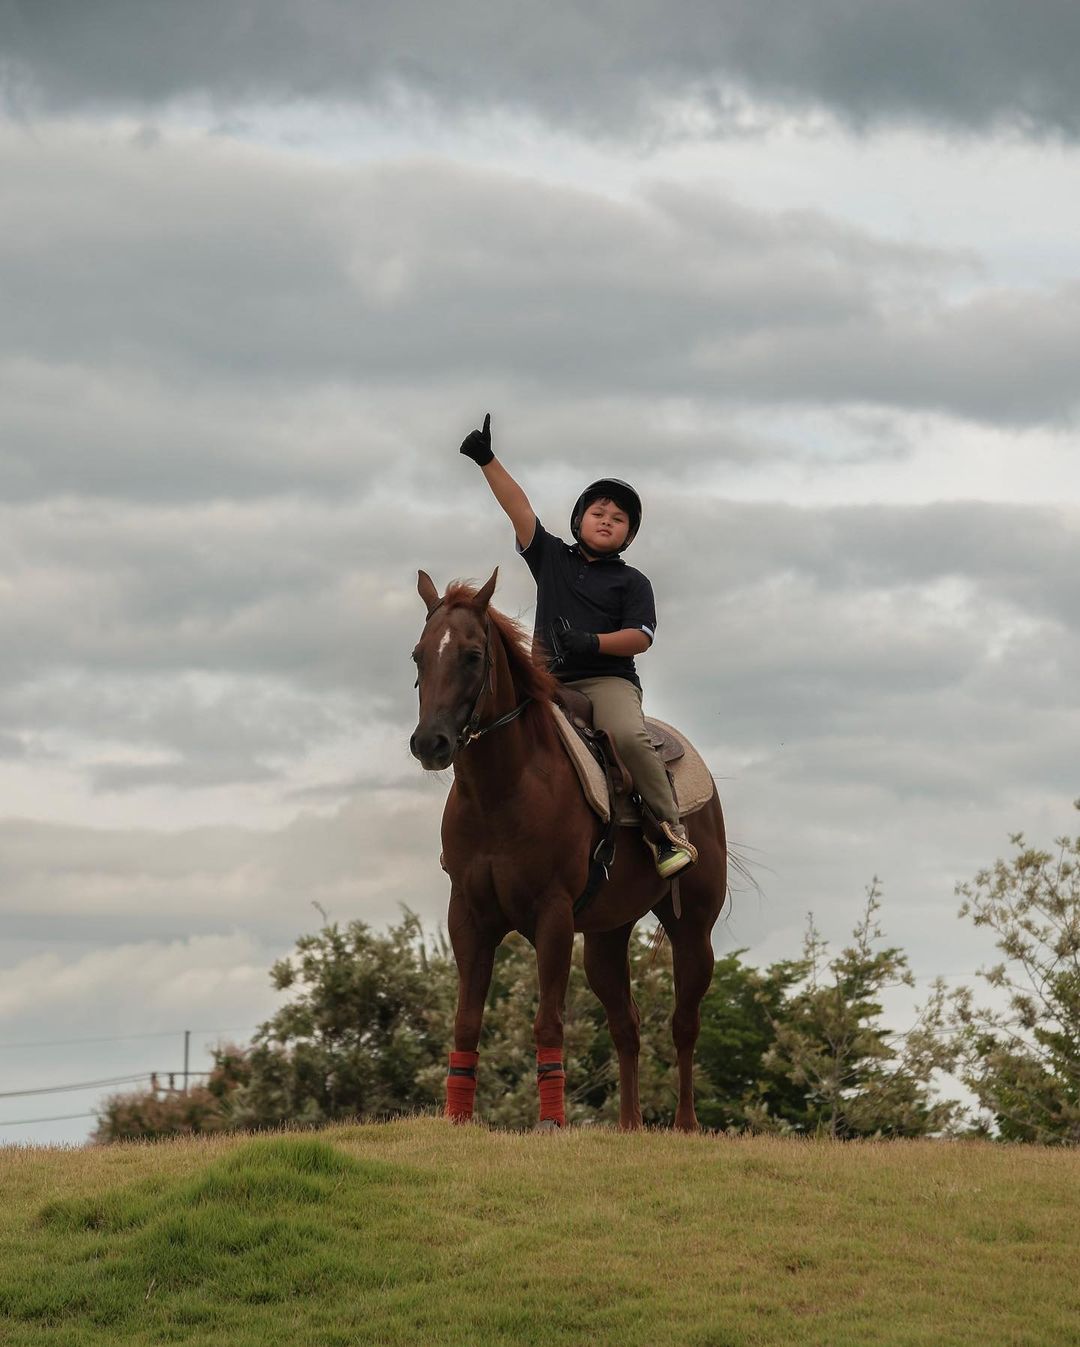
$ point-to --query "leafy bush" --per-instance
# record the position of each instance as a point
(795, 1047)
(853, 1076)
(1021, 1058)
(147, 1114)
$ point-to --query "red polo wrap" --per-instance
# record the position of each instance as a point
(461, 1089)
(551, 1082)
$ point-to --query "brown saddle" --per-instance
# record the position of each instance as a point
(580, 713)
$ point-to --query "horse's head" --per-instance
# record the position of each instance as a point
(453, 665)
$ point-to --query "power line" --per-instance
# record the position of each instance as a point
(124, 1038)
(57, 1117)
(101, 1084)
(80, 1085)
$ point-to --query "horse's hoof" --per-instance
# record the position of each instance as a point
(547, 1125)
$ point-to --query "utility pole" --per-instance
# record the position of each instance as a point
(187, 1054)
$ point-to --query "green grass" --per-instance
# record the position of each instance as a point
(420, 1232)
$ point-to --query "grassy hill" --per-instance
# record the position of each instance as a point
(418, 1232)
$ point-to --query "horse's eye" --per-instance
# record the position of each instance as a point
(474, 656)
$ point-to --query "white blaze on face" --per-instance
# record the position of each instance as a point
(443, 643)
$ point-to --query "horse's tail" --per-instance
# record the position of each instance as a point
(740, 863)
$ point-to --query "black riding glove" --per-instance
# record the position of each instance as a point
(576, 642)
(477, 444)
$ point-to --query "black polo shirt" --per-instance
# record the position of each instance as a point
(600, 596)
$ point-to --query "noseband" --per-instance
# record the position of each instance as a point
(472, 730)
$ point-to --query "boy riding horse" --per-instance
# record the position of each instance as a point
(596, 613)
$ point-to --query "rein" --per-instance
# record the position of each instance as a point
(467, 735)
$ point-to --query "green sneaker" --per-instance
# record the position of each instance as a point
(675, 852)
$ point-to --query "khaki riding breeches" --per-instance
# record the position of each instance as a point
(617, 709)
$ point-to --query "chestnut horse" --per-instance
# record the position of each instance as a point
(517, 835)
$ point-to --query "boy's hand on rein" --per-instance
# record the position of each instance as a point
(477, 444)
(576, 642)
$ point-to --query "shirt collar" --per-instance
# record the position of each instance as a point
(615, 560)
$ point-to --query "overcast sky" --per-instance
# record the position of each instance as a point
(808, 275)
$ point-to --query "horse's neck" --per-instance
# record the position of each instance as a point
(490, 767)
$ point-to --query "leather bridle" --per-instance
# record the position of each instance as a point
(471, 731)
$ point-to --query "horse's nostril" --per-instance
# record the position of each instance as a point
(429, 745)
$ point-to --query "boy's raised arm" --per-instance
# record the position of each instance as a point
(477, 446)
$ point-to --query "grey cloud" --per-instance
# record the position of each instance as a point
(608, 69)
(194, 647)
(961, 743)
(202, 444)
(242, 733)
(811, 849)
(818, 639)
(381, 778)
(363, 860)
(310, 290)
(305, 617)
(1023, 554)
(182, 773)
(319, 595)
(997, 358)
(91, 429)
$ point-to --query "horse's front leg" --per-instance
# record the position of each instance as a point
(554, 943)
(474, 952)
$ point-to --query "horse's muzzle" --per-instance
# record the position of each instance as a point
(433, 747)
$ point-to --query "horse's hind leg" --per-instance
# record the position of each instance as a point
(704, 891)
(608, 970)
(692, 963)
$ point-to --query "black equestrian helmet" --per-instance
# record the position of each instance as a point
(609, 488)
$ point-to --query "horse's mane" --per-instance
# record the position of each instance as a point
(532, 679)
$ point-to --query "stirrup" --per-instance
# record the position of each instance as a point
(676, 853)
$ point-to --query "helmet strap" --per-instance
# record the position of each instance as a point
(591, 552)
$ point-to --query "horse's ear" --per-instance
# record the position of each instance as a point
(483, 596)
(425, 587)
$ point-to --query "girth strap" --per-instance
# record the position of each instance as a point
(602, 858)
